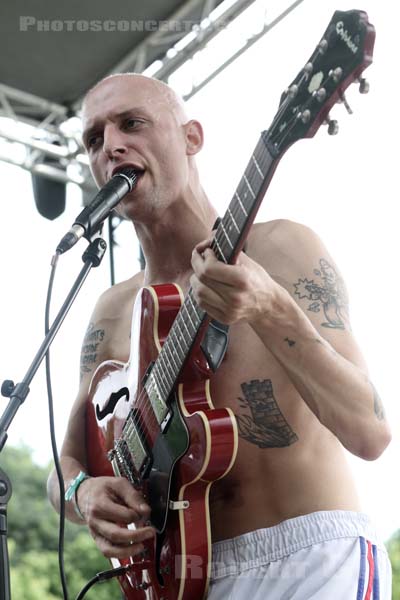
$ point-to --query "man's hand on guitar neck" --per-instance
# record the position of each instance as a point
(109, 505)
(231, 293)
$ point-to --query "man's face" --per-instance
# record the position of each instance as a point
(134, 121)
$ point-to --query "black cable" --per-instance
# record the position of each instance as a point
(101, 578)
(103, 575)
(57, 465)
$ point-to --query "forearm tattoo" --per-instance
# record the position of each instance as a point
(92, 340)
(264, 424)
(328, 294)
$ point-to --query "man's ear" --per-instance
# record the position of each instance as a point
(194, 137)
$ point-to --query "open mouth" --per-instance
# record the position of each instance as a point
(130, 167)
(138, 170)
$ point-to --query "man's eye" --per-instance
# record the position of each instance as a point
(132, 123)
(92, 141)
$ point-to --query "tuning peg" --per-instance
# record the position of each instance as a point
(333, 125)
(320, 94)
(304, 116)
(347, 106)
(336, 74)
(308, 68)
(323, 46)
(293, 90)
(364, 85)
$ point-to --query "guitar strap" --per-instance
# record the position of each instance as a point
(216, 338)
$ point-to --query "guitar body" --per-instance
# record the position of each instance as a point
(177, 462)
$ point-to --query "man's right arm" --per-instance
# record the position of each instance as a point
(107, 504)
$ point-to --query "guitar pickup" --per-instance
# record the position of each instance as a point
(178, 504)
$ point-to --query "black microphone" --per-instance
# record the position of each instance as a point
(93, 215)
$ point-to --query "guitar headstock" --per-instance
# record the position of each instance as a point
(343, 53)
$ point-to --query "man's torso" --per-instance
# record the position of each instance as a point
(288, 463)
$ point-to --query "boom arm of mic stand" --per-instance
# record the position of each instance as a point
(92, 257)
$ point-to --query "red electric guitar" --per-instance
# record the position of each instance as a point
(152, 420)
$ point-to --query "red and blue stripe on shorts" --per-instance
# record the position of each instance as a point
(368, 580)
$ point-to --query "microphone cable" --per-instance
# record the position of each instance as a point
(56, 459)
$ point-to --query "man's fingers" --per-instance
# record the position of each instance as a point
(119, 542)
(201, 246)
(113, 499)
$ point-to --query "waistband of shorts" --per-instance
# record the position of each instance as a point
(274, 543)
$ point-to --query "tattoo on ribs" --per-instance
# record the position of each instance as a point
(93, 338)
(330, 294)
(266, 427)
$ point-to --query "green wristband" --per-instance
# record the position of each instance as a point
(75, 483)
(72, 490)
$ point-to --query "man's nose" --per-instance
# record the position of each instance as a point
(113, 142)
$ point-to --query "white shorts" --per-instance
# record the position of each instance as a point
(327, 555)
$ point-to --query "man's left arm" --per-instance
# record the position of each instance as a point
(303, 320)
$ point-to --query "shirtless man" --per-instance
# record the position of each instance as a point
(286, 520)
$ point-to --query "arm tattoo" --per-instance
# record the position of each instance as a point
(92, 340)
(330, 295)
(266, 427)
(378, 406)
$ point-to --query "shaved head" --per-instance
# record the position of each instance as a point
(156, 93)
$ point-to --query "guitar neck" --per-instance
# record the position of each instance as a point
(234, 227)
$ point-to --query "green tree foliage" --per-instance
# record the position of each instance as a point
(393, 547)
(33, 539)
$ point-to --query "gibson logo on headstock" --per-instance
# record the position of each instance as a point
(346, 37)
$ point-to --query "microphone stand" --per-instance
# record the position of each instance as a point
(92, 257)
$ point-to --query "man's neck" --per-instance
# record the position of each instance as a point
(168, 244)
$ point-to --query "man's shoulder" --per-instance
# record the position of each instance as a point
(280, 231)
(280, 238)
(120, 294)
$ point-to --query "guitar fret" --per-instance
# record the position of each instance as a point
(233, 220)
(220, 250)
(195, 307)
(160, 377)
(166, 368)
(249, 186)
(183, 321)
(188, 314)
(257, 167)
(177, 341)
(226, 235)
(241, 204)
(171, 354)
(164, 371)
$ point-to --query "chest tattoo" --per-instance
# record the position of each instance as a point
(264, 424)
